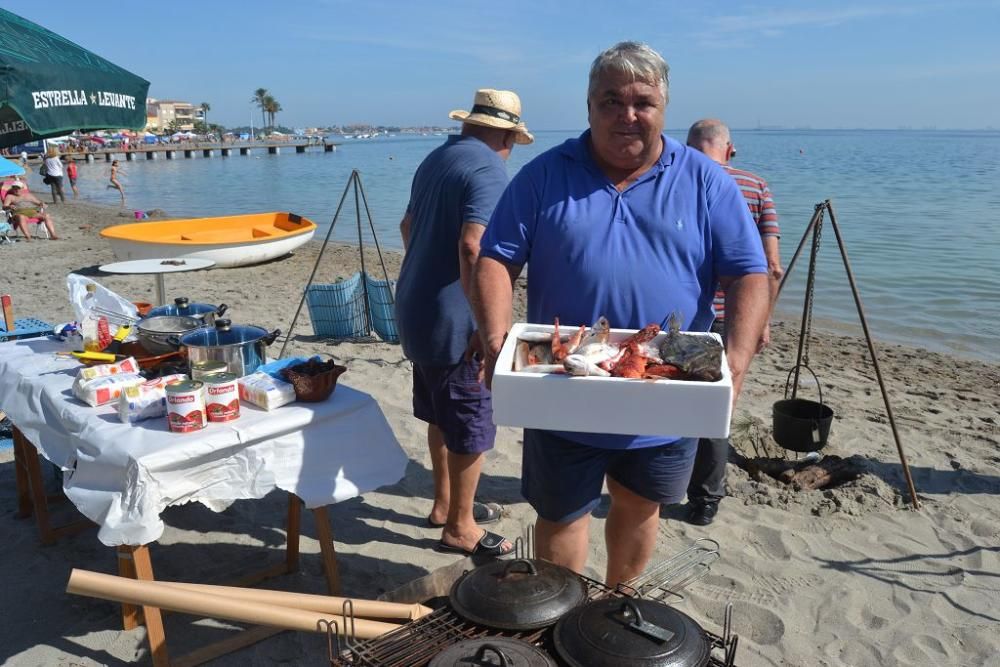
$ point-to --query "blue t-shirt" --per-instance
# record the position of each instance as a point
(634, 256)
(458, 182)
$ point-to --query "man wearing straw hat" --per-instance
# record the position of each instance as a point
(452, 197)
(628, 223)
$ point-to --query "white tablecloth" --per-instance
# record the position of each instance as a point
(122, 476)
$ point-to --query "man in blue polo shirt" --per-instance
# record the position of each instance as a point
(627, 223)
(451, 200)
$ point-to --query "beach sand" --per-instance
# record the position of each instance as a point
(848, 576)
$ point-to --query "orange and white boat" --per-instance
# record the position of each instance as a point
(234, 240)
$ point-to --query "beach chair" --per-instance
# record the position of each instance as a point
(9, 217)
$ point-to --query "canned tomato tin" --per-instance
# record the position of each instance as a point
(185, 406)
(222, 397)
(199, 369)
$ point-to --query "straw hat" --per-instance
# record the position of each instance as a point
(496, 108)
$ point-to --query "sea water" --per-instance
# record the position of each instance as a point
(918, 211)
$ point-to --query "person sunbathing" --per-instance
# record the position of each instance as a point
(24, 207)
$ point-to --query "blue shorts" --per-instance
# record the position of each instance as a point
(453, 399)
(562, 479)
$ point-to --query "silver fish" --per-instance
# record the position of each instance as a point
(544, 368)
(580, 365)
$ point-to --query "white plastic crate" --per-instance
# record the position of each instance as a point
(607, 404)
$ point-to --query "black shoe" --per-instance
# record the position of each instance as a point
(702, 514)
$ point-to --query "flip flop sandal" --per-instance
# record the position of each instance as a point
(483, 513)
(490, 544)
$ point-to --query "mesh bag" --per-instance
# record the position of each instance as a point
(381, 303)
(338, 310)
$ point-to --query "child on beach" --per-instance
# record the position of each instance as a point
(114, 181)
(71, 174)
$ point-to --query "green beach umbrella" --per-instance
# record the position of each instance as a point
(50, 86)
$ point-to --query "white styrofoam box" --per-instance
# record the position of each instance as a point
(608, 404)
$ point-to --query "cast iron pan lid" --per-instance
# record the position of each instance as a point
(628, 631)
(492, 652)
(520, 594)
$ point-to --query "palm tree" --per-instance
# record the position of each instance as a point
(258, 98)
(272, 107)
(205, 108)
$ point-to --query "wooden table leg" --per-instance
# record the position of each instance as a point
(292, 530)
(36, 488)
(21, 476)
(325, 536)
(131, 614)
(31, 496)
(143, 569)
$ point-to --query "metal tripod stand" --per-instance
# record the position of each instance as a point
(354, 182)
(814, 227)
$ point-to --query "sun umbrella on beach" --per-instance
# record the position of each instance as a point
(50, 86)
(8, 168)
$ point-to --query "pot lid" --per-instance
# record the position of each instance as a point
(492, 652)
(169, 324)
(630, 631)
(520, 594)
(183, 306)
(223, 333)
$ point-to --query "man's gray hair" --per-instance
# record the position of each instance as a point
(708, 131)
(635, 59)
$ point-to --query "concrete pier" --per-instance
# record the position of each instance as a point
(170, 151)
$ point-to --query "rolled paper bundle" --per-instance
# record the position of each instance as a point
(327, 603)
(155, 594)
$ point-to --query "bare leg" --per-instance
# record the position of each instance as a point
(630, 533)
(21, 223)
(439, 468)
(564, 544)
(47, 221)
(461, 529)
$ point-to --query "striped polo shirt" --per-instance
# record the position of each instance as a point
(761, 203)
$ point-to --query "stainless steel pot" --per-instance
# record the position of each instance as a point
(242, 347)
(159, 335)
(182, 306)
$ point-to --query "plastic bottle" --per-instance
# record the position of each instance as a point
(94, 327)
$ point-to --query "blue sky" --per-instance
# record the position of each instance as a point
(798, 64)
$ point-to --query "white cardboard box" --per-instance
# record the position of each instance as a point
(608, 404)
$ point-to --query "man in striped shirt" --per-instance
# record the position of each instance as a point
(711, 136)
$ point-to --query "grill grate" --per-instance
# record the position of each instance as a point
(416, 643)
